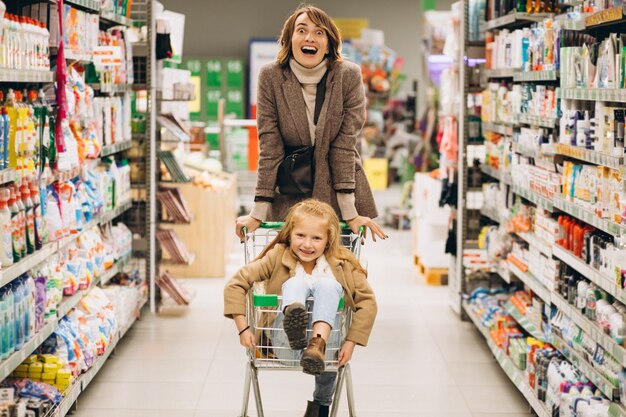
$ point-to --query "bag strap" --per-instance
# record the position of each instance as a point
(320, 95)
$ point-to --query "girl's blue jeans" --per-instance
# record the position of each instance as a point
(326, 292)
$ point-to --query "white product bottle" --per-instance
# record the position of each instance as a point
(6, 243)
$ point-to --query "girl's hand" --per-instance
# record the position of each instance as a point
(345, 354)
(356, 223)
(246, 221)
(247, 339)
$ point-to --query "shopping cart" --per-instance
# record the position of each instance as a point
(265, 320)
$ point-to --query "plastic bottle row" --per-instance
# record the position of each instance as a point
(21, 231)
(24, 44)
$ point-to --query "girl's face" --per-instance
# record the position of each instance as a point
(308, 240)
(309, 42)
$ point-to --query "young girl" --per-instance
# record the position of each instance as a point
(306, 258)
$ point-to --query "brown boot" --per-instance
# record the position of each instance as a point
(312, 409)
(312, 360)
(294, 324)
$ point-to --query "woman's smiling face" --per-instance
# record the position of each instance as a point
(309, 43)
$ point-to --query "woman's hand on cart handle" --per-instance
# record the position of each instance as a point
(365, 222)
(247, 221)
(345, 354)
(247, 339)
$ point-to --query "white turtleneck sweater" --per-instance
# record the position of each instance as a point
(309, 78)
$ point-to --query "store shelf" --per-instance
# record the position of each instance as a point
(617, 95)
(78, 56)
(590, 328)
(531, 282)
(26, 76)
(516, 20)
(523, 321)
(603, 384)
(496, 173)
(536, 76)
(500, 73)
(88, 5)
(116, 148)
(503, 271)
(83, 381)
(532, 197)
(515, 375)
(7, 366)
(120, 209)
(177, 96)
(607, 17)
(575, 25)
(112, 88)
(114, 269)
(589, 216)
(549, 122)
(10, 273)
(7, 175)
(590, 156)
(498, 128)
(535, 242)
(606, 282)
(65, 406)
(110, 18)
(491, 213)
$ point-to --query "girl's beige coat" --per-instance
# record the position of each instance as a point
(279, 264)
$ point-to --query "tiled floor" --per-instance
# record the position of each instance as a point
(422, 361)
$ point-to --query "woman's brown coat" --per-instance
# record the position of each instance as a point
(279, 264)
(282, 121)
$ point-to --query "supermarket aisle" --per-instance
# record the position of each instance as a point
(421, 362)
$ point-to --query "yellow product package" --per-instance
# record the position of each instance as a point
(36, 367)
(49, 375)
(50, 367)
(63, 375)
(49, 358)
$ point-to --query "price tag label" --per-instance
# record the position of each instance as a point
(107, 56)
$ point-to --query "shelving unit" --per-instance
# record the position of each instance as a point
(513, 20)
(517, 377)
(11, 273)
(526, 324)
(598, 24)
(590, 156)
(540, 121)
(536, 76)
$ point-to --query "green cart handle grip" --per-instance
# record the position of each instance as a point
(279, 225)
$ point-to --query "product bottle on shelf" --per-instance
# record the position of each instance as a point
(30, 217)
(15, 227)
(21, 233)
(4, 325)
(6, 239)
(37, 216)
(17, 315)
(10, 320)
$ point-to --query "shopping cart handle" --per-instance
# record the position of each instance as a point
(279, 225)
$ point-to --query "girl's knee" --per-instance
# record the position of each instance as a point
(328, 283)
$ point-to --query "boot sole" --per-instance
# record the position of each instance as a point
(295, 327)
(312, 365)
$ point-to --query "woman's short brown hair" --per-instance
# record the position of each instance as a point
(321, 19)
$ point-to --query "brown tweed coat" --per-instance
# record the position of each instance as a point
(282, 120)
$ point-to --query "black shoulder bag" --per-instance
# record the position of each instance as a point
(296, 174)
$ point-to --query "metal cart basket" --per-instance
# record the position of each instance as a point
(265, 320)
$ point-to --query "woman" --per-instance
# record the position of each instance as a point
(289, 116)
